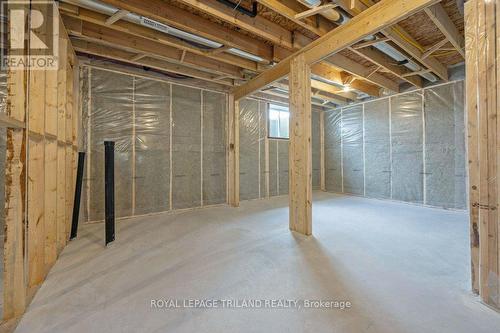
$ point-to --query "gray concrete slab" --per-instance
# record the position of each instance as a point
(404, 268)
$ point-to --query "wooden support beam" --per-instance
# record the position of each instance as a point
(441, 19)
(386, 12)
(342, 62)
(271, 31)
(434, 48)
(322, 151)
(111, 53)
(233, 151)
(370, 43)
(314, 11)
(131, 43)
(300, 148)
(138, 56)
(117, 16)
(388, 64)
(471, 88)
(289, 8)
(9, 122)
(153, 35)
(166, 13)
(424, 71)
(398, 36)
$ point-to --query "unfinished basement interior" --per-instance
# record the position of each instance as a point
(250, 166)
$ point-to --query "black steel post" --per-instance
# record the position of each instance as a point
(78, 195)
(109, 184)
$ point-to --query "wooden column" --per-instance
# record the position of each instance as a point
(234, 152)
(482, 30)
(300, 150)
(322, 151)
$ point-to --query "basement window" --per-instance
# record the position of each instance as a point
(278, 122)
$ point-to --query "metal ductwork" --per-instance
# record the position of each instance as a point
(158, 26)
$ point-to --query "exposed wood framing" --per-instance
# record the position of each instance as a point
(322, 151)
(182, 19)
(39, 162)
(234, 152)
(386, 62)
(131, 43)
(398, 36)
(314, 11)
(483, 70)
(125, 56)
(116, 16)
(385, 13)
(150, 34)
(300, 150)
(434, 48)
(438, 15)
(370, 43)
(273, 32)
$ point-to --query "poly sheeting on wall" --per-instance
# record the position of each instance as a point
(164, 158)
(333, 151)
(377, 149)
(316, 150)
(407, 147)
(412, 147)
(253, 158)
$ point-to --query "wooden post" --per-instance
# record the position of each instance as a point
(234, 152)
(322, 151)
(300, 149)
(472, 138)
(482, 81)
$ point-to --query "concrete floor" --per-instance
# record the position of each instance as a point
(404, 268)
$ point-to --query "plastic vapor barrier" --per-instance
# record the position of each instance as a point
(111, 119)
(445, 165)
(352, 149)
(283, 167)
(269, 166)
(214, 148)
(170, 143)
(273, 167)
(249, 149)
(316, 151)
(186, 147)
(408, 147)
(152, 146)
(377, 149)
(333, 151)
